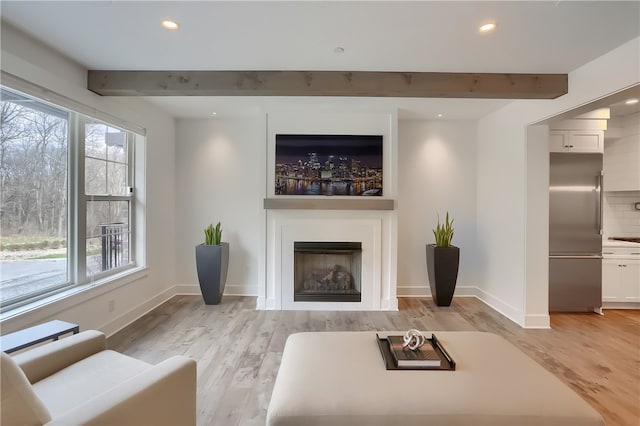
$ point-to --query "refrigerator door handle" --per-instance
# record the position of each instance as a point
(600, 203)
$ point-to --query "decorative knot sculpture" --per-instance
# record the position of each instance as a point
(413, 339)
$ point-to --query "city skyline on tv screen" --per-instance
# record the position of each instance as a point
(349, 165)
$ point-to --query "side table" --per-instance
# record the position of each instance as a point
(51, 330)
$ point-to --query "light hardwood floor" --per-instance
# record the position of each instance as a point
(238, 349)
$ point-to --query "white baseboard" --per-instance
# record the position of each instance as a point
(410, 291)
(501, 306)
(121, 321)
(425, 291)
(187, 289)
(537, 321)
(229, 290)
(240, 290)
(495, 303)
(389, 304)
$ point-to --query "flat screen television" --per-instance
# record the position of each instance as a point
(328, 165)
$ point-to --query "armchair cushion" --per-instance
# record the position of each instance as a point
(42, 361)
(20, 405)
(163, 395)
(84, 379)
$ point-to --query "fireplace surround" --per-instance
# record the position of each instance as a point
(372, 230)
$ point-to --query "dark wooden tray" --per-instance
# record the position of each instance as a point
(448, 364)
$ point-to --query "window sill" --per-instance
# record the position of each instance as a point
(68, 298)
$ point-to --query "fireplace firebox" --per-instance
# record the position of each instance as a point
(327, 271)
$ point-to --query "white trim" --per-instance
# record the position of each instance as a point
(50, 306)
(466, 291)
(501, 306)
(389, 304)
(537, 321)
(186, 290)
(240, 290)
(229, 290)
(425, 291)
(413, 291)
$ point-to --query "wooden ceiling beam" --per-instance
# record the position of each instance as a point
(328, 83)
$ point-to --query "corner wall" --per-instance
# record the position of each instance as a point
(511, 198)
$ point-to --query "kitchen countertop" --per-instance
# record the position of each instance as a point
(617, 243)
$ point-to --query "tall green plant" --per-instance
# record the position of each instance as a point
(444, 232)
(213, 236)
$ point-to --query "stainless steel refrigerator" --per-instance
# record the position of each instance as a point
(575, 232)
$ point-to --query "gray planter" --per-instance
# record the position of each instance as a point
(212, 263)
(442, 267)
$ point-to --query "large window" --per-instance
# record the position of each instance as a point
(66, 199)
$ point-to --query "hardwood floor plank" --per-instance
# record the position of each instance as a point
(239, 349)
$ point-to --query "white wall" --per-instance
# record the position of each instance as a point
(221, 171)
(32, 61)
(501, 186)
(509, 189)
(436, 174)
(220, 177)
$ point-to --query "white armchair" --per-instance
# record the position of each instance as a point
(76, 381)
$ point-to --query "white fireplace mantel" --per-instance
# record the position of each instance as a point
(329, 203)
(375, 230)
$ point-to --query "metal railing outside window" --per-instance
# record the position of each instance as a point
(112, 247)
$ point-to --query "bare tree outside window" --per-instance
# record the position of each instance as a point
(33, 196)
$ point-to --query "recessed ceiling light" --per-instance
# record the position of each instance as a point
(169, 24)
(339, 50)
(488, 27)
(213, 113)
(439, 115)
(631, 101)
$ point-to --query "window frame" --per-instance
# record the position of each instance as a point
(76, 264)
(84, 198)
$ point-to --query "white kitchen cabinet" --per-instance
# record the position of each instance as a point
(622, 164)
(578, 141)
(558, 140)
(631, 281)
(610, 280)
(621, 277)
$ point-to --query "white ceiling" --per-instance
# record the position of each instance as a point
(531, 37)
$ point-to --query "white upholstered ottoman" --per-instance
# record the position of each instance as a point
(339, 378)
